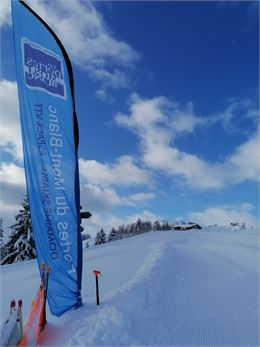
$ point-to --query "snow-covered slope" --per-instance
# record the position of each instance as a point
(162, 288)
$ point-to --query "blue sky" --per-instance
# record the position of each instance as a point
(167, 104)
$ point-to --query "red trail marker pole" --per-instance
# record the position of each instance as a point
(97, 273)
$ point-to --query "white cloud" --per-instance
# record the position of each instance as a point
(100, 199)
(141, 197)
(87, 38)
(226, 117)
(244, 164)
(5, 12)
(10, 130)
(172, 118)
(183, 120)
(235, 110)
(12, 185)
(12, 174)
(124, 172)
(246, 206)
(103, 95)
(99, 179)
(158, 121)
(115, 78)
(224, 215)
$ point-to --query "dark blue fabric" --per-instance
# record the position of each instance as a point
(49, 132)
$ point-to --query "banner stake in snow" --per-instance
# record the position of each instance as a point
(97, 273)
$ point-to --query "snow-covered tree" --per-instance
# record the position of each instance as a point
(21, 245)
(147, 226)
(2, 246)
(138, 229)
(165, 225)
(100, 237)
(1, 230)
(112, 235)
(121, 232)
(157, 225)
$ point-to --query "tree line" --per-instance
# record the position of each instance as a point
(137, 228)
(20, 245)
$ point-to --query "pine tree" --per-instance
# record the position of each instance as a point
(100, 237)
(131, 229)
(21, 245)
(112, 235)
(138, 228)
(157, 225)
(2, 246)
(147, 226)
(121, 232)
(1, 230)
(166, 225)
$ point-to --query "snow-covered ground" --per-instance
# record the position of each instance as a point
(178, 288)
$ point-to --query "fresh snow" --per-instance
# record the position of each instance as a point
(178, 288)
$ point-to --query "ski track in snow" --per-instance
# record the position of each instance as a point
(197, 288)
(155, 252)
